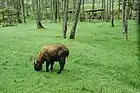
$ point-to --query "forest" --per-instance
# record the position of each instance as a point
(102, 36)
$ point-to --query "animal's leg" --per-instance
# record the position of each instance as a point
(47, 66)
(52, 65)
(62, 64)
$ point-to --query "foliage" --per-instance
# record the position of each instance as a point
(99, 62)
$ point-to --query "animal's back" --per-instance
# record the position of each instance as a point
(54, 48)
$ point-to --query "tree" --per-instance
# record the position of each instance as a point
(73, 30)
(73, 10)
(65, 17)
(9, 14)
(124, 19)
(23, 11)
(55, 10)
(119, 9)
(112, 16)
(93, 6)
(107, 18)
(38, 17)
(82, 17)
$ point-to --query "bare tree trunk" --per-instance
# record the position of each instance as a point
(107, 19)
(73, 30)
(55, 9)
(23, 10)
(93, 5)
(110, 9)
(65, 17)
(38, 18)
(58, 10)
(112, 16)
(52, 18)
(124, 18)
(73, 10)
(82, 17)
(9, 14)
(119, 9)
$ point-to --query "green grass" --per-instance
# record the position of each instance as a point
(100, 60)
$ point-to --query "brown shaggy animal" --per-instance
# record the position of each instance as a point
(50, 54)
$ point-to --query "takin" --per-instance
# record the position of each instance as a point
(50, 54)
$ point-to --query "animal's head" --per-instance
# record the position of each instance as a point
(37, 65)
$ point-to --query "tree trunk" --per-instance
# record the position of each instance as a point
(73, 30)
(119, 9)
(73, 10)
(110, 9)
(107, 19)
(9, 14)
(65, 17)
(82, 13)
(23, 11)
(112, 16)
(52, 18)
(55, 9)
(93, 5)
(58, 10)
(124, 19)
(38, 18)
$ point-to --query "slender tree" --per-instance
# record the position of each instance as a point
(82, 13)
(107, 19)
(9, 14)
(38, 17)
(124, 19)
(119, 4)
(73, 10)
(65, 17)
(112, 16)
(23, 10)
(73, 30)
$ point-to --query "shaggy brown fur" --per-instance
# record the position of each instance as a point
(50, 54)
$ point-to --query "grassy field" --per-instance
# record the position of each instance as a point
(100, 60)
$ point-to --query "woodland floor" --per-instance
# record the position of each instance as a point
(100, 60)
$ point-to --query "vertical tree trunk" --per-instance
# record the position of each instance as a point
(93, 5)
(119, 9)
(55, 10)
(82, 18)
(58, 10)
(74, 7)
(73, 30)
(124, 19)
(65, 17)
(112, 16)
(52, 18)
(107, 19)
(9, 14)
(23, 10)
(110, 9)
(38, 18)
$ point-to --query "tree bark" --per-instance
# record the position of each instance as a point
(38, 18)
(112, 16)
(23, 11)
(65, 17)
(124, 19)
(82, 18)
(119, 9)
(73, 30)
(73, 10)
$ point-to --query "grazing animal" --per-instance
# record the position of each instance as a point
(50, 54)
